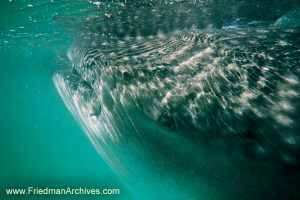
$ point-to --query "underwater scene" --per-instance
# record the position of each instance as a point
(150, 99)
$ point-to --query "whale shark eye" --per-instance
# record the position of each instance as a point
(167, 120)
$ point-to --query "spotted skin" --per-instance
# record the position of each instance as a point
(216, 108)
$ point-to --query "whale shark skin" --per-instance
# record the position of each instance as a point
(191, 113)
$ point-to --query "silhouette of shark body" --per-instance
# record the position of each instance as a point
(200, 113)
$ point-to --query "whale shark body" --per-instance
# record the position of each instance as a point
(180, 111)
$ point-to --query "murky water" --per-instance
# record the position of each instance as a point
(41, 144)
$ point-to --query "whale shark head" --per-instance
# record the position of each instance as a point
(181, 112)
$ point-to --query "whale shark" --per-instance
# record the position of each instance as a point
(183, 106)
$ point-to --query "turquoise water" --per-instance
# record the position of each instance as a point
(178, 100)
(41, 144)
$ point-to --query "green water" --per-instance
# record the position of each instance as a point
(41, 145)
